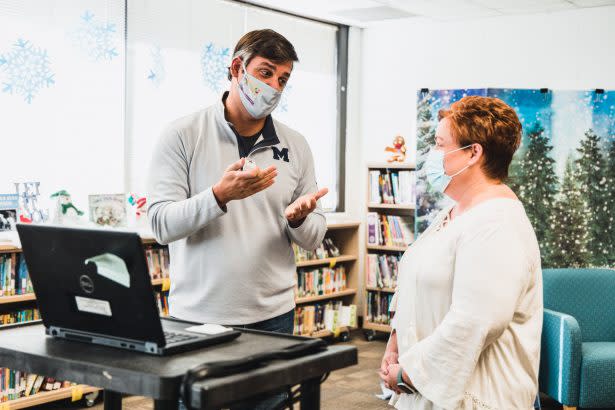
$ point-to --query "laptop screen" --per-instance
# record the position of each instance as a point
(92, 280)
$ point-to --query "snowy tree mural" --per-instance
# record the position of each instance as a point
(609, 202)
(569, 234)
(590, 169)
(564, 171)
(536, 182)
(26, 70)
(96, 39)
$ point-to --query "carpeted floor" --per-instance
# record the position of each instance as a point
(347, 389)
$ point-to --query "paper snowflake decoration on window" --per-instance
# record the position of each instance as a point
(97, 40)
(157, 72)
(283, 105)
(214, 66)
(27, 70)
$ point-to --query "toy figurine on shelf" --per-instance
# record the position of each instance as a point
(398, 150)
(66, 212)
(138, 210)
(29, 209)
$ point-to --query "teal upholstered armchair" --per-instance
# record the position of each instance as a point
(577, 364)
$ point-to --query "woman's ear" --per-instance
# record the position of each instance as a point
(477, 153)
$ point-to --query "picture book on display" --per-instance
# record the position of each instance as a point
(108, 209)
(9, 204)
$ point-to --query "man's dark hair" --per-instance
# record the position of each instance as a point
(264, 43)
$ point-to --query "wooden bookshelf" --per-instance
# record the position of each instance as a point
(14, 249)
(345, 235)
(391, 165)
(9, 249)
(391, 206)
(375, 289)
(17, 298)
(148, 241)
(386, 248)
(404, 210)
(318, 298)
(47, 397)
(378, 327)
(343, 331)
(327, 261)
(26, 297)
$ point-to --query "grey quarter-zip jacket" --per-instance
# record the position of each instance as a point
(233, 266)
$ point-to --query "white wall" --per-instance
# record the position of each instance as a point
(565, 50)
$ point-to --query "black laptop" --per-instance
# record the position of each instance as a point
(93, 286)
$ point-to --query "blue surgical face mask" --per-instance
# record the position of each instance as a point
(259, 98)
(434, 169)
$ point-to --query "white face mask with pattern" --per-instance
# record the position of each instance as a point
(259, 98)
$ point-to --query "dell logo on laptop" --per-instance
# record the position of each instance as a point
(86, 284)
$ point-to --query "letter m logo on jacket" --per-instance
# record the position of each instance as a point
(280, 154)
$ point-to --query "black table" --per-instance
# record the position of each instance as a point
(26, 347)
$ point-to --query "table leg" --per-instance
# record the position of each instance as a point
(166, 404)
(310, 394)
(112, 400)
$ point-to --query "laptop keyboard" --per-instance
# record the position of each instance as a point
(172, 337)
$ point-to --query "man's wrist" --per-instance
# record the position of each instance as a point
(221, 202)
(297, 223)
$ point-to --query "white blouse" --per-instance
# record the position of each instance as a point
(469, 311)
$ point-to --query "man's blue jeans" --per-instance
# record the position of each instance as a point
(279, 324)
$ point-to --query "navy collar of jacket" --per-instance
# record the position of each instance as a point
(270, 137)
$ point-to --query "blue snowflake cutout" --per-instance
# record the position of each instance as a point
(157, 72)
(96, 39)
(27, 70)
(283, 105)
(214, 63)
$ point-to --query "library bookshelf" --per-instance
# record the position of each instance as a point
(345, 235)
(28, 300)
(371, 325)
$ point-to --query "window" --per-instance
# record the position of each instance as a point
(88, 86)
(61, 96)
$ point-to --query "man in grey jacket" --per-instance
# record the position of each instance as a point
(230, 227)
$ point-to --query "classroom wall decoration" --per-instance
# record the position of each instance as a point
(97, 38)
(26, 70)
(564, 171)
(214, 62)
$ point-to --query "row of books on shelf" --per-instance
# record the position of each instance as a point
(322, 281)
(392, 187)
(15, 384)
(19, 316)
(382, 270)
(378, 307)
(162, 301)
(327, 249)
(157, 261)
(330, 316)
(14, 278)
(388, 230)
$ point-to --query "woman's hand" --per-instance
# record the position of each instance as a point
(390, 378)
(390, 357)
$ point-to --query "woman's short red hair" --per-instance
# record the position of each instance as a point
(491, 123)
